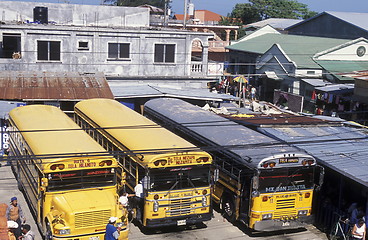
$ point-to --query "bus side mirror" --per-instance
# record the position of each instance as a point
(216, 175)
(123, 178)
(318, 177)
(44, 182)
(255, 182)
(146, 181)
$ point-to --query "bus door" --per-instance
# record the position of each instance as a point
(41, 197)
(319, 173)
(244, 207)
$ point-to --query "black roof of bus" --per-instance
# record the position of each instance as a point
(250, 146)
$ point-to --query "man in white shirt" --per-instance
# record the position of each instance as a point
(27, 233)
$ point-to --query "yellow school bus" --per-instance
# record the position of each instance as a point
(266, 184)
(175, 174)
(68, 179)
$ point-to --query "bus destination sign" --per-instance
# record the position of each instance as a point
(288, 160)
(82, 164)
(180, 160)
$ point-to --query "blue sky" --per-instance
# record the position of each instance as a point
(224, 7)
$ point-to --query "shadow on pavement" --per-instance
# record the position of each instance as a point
(169, 229)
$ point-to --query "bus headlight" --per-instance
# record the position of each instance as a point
(266, 216)
(302, 212)
(62, 231)
(204, 201)
(155, 206)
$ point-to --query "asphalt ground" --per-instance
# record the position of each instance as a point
(219, 228)
(9, 189)
(216, 229)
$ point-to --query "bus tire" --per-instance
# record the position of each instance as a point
(48, 234)
(20, 187)
(228, 208)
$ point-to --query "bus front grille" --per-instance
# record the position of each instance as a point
(87, 219)
(284, 214)
(180, 207)
(285, 203)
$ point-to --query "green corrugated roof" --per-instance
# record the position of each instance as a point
(336, 67)
(299, 49)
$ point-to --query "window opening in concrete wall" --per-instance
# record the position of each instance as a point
(82, 45)
(11, 46)
(48, 50)
(164, 53)
(119, 50)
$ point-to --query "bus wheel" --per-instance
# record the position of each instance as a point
(20, 188)
(228, 208)
(48, 235)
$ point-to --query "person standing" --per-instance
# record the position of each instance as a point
(359, 230)
(253, 92)
(112, 232)
(15, 213)
(27, 233)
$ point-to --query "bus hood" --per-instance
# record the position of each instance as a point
(86, 206)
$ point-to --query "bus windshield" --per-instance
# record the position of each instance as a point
(286, 179)
(179, 178)
(81, 179)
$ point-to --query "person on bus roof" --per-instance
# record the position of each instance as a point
(15, 213)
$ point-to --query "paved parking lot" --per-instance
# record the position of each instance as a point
(218, 228)
(8, 189)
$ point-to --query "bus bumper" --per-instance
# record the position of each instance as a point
(123, 235)
(178, 221)
(275, 224)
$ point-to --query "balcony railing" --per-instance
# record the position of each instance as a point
(214, 68)
(196, 67)
(218, 44)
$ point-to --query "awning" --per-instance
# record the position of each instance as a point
(272, 75)
(121, 91)
(337, 88)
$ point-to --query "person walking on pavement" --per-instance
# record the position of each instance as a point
(27, 233)
(253, 91)
(112, 232)
(14, 213)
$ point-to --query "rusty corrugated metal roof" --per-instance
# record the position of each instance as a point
(22, 85)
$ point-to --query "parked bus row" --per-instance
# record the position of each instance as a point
(69, 181)
(73, 183)
(263, 183)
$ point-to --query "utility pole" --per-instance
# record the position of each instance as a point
(165, 14)
(185, 14)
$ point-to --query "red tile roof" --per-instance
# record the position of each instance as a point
(202, 15)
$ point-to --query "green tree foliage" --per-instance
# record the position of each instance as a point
(257, 10)
(280, 9)
(136, 3)
(245, 12)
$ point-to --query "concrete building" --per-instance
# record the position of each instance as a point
(279, 61)
(114, 40)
